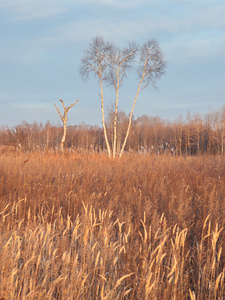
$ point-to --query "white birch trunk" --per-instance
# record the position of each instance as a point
(115, 121)
(64, 120)
(130, 118)
(103, 121)
(64, 134)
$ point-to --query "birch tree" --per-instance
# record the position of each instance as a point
(96, 61)
(221, 128)
(64, 120)
(121, 127)
(120, 61)
(150, 68)
(198, 130)
(111, 64)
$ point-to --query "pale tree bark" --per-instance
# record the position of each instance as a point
(187, 134)
(220, 128)
(115, 120)
(151, 67)
(178, 134)
(210, 121)
(198, 128)
(120, 62)
(121, 127)
(111, 64)
(103, 119)
(130, 118)
(95, 61)
(64, 120)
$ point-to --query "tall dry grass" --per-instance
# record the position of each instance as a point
(85, 227)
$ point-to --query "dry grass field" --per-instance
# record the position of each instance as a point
(86, 227)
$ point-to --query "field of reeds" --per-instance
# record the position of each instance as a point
(81, 226)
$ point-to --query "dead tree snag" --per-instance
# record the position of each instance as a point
(64, 120)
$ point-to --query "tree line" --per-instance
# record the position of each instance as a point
(193, 135)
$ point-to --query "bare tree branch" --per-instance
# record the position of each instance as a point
(111, 64)
(95, 61)
(120, 63)
(64, 120)
(151, 67)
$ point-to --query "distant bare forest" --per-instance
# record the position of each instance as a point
(193, 135)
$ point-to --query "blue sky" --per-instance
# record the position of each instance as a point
(42, 42)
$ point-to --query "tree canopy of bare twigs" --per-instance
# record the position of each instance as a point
(111, 64)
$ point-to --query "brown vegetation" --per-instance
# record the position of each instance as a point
(7, 149)
(85, 227)
(195, 135)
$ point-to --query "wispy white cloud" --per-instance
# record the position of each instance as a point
(190, 36)
(28, 10)
(195, 47)
(181, 42)
(43, 38)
